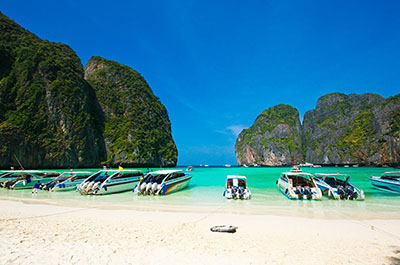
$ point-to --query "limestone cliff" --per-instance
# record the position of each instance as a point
(273, 140)
(137, 127)
(342, 129)
(353, 129)
(49, 115)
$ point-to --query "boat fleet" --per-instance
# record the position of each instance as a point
(295, 184)
(102, 182)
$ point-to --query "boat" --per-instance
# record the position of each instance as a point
(298, 186)
(66, 181)
(109, 181)
(25, 179)
(389, 181)
(306, 165)
(236, 188)
(162, 182)
(189, 168)
(337, 186)
(227, 165)
(295, 169)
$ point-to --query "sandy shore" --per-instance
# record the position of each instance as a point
(48, 234)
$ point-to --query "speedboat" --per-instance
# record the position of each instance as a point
(306, 165)
(236, 188)
(25, 179)
(337, 186)
(109, 181)
(295, 169)
(162, 182)
(389, 181)
(298, 186)
(189, 168)
(66, 181)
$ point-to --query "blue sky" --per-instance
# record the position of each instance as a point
(216, 65)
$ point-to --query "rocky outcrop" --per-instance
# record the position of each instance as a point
(273, 140)
(353, 129)
(341, 130)
(137, 127)
(49, 115)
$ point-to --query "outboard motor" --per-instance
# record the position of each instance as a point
(299, 190)
(341, 191)
(351, 194)
(89, 187)
(95, 188)
(308, 192)
(148, 188)
(82, 187)
(142, 188)
(154, 188)
(11, 183)
(241, 193)
(235, 192)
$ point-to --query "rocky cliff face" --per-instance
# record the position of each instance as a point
(49, 115)
(342, 129)
(137, 127)
(353, 129)
(273, 140)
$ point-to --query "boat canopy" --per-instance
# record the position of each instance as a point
(331, 175)
(165, 172)
(298, 174)
(236, 177)
(25, 171)
(236, 181)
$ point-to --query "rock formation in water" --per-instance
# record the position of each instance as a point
(353, 129)
(342, 129)
(49, 114)
(137, 127)
(273, 140)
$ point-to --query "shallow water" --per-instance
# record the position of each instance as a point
(207, 185)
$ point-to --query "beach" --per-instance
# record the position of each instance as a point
(33, 232)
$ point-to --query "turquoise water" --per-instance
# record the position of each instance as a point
(207, 185)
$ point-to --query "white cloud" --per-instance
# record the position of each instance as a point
(236, 129)
(232, 130)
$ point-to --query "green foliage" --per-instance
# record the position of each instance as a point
(44, 96)
(137, 124)
(262, 132)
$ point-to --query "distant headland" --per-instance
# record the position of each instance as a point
(342, 130)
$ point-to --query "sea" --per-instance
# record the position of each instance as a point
(205, 195)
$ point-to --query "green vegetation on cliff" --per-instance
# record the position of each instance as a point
(342, 129)
(137, 128)
(276, 131)
(352, 129)
(49, 115)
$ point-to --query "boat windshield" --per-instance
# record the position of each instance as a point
(391, 176)
(231, 182)
(123, 175)
(301, 180)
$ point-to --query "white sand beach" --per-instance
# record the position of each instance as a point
(32, 233)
